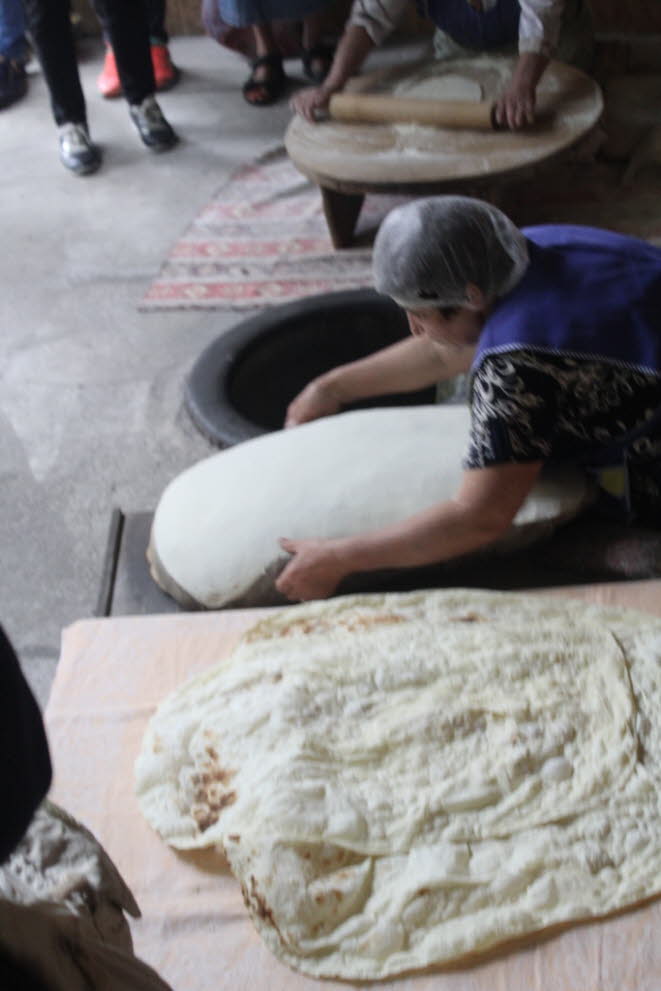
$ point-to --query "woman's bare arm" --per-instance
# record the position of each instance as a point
(408, 365)
(482, 511)
(350, 54)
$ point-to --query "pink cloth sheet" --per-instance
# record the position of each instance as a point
(194, 929)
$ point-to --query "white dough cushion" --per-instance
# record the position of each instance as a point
(215, 533)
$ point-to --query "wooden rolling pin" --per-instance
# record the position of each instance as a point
(376, 109)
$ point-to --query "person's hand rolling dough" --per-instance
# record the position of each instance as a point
(515, 107)
(311, 103)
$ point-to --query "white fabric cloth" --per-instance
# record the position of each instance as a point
(539, 24)
(62, 905)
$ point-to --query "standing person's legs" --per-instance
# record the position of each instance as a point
(166, 74)
(13, 43)
(50, 28)
(14, 52)
(125, 24)
(128, 32)
(317, 56)
(267, 78)
(156, 22)
(108, 82)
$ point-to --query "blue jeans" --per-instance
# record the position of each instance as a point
(13, 43)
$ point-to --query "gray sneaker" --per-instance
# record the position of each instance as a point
(152, 126)
(77, 152)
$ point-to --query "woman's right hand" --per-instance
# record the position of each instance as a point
(317, 399)
(311, 102)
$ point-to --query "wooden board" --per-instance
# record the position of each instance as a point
(379, 156)
(195, 930)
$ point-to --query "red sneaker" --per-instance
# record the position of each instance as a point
(108, 82)
(166, 74)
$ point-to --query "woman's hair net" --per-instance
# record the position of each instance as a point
(427, 251)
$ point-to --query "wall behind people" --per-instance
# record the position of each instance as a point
(632, 17)
(183, 17)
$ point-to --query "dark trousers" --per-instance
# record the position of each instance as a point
(25, 770)
(128, 32)
(155, 19)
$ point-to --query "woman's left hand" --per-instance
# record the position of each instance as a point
(314, 571)
(515, 108)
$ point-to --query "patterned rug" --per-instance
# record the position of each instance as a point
(263, 238)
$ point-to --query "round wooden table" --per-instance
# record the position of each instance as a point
(347, 161)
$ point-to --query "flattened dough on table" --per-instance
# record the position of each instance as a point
(448, 87)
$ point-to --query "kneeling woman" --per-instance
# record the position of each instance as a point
(560, 330)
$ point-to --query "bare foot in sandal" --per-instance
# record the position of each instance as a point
(266, 82)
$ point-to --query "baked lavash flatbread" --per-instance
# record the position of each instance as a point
(404, 780)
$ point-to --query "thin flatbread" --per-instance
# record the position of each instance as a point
(403, 780)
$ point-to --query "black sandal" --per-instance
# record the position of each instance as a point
(262, 92)
(323, 56)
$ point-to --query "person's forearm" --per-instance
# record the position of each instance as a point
(355, 44)
(529, 69)
(483, 509)
(412, 364)
(445, 531)
(540, 23)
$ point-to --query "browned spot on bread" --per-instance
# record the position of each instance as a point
(215, 775)
(204, 816)
(319, 899)
(212, 753)
(367, 622)
(305, 626)
(259, 903)
(469, 617)
(234, 837)
(301, 625)
(209, 803)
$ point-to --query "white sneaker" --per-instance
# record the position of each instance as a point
(152, 126)
(77, 152)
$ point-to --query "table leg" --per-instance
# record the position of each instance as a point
(341, 211)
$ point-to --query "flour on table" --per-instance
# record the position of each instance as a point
(446, 87)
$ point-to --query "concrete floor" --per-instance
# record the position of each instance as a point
(91, 410)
